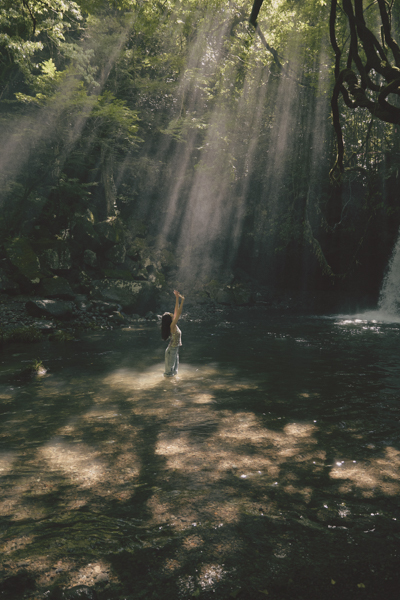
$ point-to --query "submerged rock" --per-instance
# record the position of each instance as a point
(58, 309)
(80, 592)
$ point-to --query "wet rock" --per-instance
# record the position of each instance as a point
(23, 258)
(44, 326)
(129, 294)
(84, 232)
(82, 303)
(116, 254)
(80, 592)
(133, 318)
(116, 317)
(16, 586)
(7, 285)
(90, 258)
(58, 309)
(106, 307)
(49, 259)
(65, 261)
(56, 287)
(224, 296)
(111, 230)
(102, 578)
(233, 295)
(242, 295)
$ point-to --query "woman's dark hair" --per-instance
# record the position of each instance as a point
(166, 321)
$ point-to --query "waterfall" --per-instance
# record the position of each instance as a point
(389, 299)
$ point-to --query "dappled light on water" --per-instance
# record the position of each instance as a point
(379, 476)
(104, 462)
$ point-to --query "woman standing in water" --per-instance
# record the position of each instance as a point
(171, 331)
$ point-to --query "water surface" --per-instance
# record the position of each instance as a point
(270, 466)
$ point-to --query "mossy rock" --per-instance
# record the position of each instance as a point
(224, 296)
(7, 285)
(212, 289)
(110, 231)
(118, 274)
(84, 232)
(57, 309)
(116, 254)
(242, 295)
(24, 259)
(131, 295)
(90, 258)
(50, 259)
(56, 287)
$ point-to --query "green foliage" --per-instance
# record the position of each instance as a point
(118, 274)
(61, 336)
(20, 335)
(101, 102)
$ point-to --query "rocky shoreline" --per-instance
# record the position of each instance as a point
(82, 313)
(48, 316)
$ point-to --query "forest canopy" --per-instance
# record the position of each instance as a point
(248, 136)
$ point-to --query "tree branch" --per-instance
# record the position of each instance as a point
(25, 3)
(357, 94)
(254, 12)
(387, 32)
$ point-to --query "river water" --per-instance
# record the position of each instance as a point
(270, 467)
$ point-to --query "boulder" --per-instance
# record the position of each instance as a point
(117, 317)
(110, 231)
(133, 296)
(84, 232)
(90, 258)
(242, 295)
(7, 285)
(65, 261)
(23, 258)
(82, 303)
(116, 254)
(115, 273)
(80, 592)
(44, 326)
(56, 287)
(56, 309)
(49, 259)
(224, 296)
(106, 307)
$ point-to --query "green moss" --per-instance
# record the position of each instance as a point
(211, 288)
(61, 336)
(118, 274)
(20, 253)
(20, 334)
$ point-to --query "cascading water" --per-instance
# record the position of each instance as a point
(389, 300)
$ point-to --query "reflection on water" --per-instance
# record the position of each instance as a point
(279, 435)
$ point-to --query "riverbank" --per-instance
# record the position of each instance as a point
(82, 313)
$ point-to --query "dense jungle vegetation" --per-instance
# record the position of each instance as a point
(210, 135)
